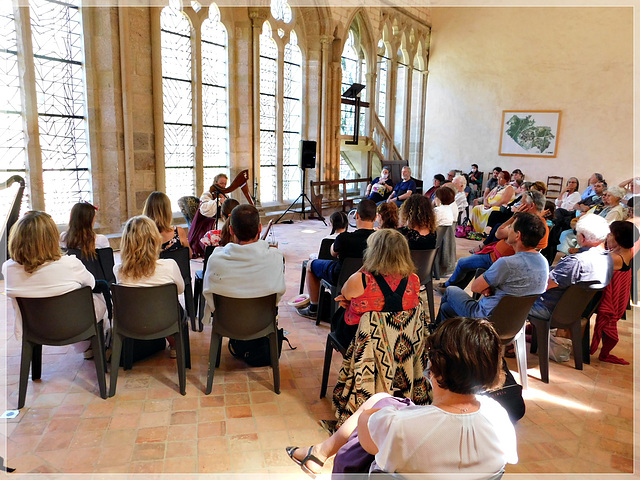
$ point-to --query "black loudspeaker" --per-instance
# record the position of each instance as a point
(307, 154)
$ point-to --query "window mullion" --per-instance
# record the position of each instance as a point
(280, 123)
(27, 76)
(196, 76)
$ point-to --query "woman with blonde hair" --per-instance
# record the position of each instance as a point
(419, 220)
(80, 234)
(140, 266)
(157, 207)
(387, 282)
(38, 269)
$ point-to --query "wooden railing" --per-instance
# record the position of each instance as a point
(383, 144)
(345, 199)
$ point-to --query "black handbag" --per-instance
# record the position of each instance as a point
(256, 352)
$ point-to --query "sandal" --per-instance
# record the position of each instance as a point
(303, 466)
(476, 249)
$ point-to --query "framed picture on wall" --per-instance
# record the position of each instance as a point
(530, 133)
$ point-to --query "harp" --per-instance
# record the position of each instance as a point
(14, 211)
(241, 181)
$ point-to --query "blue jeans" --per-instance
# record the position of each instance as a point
(457, 303)
(540, 311)
(468, 264)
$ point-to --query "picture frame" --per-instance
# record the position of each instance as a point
(530, 133)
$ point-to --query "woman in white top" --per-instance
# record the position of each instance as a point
(80, 234)
(37, 268)
(141, 267)
(460, 432)
(445, 207)
(570, 195)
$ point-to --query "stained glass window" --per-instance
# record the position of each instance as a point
(179, 156)
(12, 145)
(268, 91)
(354, 69)
(292, 118)
(56, 28)
(215, 111)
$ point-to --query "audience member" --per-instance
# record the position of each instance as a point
(386, 283)
(491, 184)
(247, 269)
(517, 177)
(462, 193)
(438, 181)
(140, 266)
(615, 296)
(486, 256)
(540, 187)
(446, 209)
(339, 223)
(157, 207)
(80, 234)
(592, 265)
(380, 188)
(347, 244)
(388, 215)
(594, 200)
(219, 238)
(451, 175)
(499, 196)
(631, 186)
(590, 190)
(403, 189)
(419, 222)
(38, 269)
(524, 273)
(393, 435)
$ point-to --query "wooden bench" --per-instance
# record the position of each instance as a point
(346, 200)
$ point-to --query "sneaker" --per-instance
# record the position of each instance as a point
(306, 312)
(172, 352)
(88, 353)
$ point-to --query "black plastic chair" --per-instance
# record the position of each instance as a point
(147, 313)
(244, 319)
(424, 260)
(181, 257)
(323, 254)
(60, 320)
(566, 314)
(101, 267)
(198, 285)
(326, 305)
(333, 343)
(508, 318)
(446, 257)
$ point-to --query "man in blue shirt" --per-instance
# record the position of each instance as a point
(403, 189)
(592, 265)
(524, 273)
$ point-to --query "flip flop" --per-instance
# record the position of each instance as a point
(310, 456)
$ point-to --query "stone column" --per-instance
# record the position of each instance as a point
(257, 19)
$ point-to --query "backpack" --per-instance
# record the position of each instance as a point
(256, 352)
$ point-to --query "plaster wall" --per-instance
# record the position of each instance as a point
(486, 60)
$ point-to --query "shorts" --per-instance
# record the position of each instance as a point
(328, 270)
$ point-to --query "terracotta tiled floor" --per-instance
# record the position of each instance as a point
(581, 422)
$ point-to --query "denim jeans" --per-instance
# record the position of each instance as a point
(540, 311)
(468, 264)
(457, 303)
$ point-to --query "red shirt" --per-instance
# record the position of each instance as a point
(372, 300)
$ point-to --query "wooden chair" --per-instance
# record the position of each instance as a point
(147, 313)
(60, 320)
(244, 319)
(554, 187)
(566, 314)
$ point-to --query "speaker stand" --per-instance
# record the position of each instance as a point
(302, 197)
